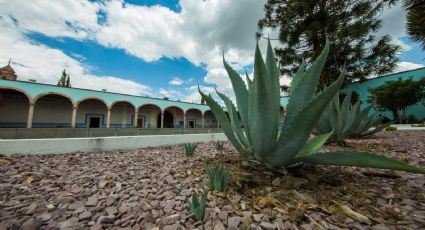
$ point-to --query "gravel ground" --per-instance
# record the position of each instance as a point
(148, 189)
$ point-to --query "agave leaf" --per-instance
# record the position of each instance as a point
(302, 125)
(273, 83)
(360, 159)
(379, 128)
(241, 94)
(346, 112)
(298, 75)
(314, 145)
(224, 122)
(305, 89)
(262, 124)
(248, 80)
(234, 119)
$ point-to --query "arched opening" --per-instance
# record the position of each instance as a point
(52, 110)
(14, 106)
(122, 115)
(147, 116)
(209, 120)
(168, 120)
(193, 118)
(91, 113)
(173, 117)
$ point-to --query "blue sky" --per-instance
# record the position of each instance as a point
(161, 48)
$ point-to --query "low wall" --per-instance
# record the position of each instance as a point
(69, 145)
(37, 133)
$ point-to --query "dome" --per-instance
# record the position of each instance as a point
(8, 73)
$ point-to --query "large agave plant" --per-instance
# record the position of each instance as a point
(348, 121)
(258, 104)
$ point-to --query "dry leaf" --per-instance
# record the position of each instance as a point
(5, 162)
(29, 180)
(264, 201)
(355, 215)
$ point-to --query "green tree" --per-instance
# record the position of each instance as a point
(304, 25)
(416, 20)
(397, 95)
(64, 80)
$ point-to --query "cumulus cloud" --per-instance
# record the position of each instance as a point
(176, 81)
(200, 32)
(403, 66)
(35, 61)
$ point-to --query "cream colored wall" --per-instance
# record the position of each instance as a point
(208, 119)
(151, 116)
(122, 115)
(177, 115)
(89, 108)
(47, 112)
(196, 115)
(14, 111)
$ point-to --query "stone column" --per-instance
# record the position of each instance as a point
(202, 120)
(162, 120)
(108, 118)
(136, 115)
(74, 116)
(218, 124)
(30, 115)
(184, 120)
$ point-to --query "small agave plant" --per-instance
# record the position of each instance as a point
(262, 143)
(348, 121)
(189, 149)
(197, 207)
(219, 145)
(217, 178)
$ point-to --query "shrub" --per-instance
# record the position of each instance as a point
(217, 178)
(219, 145)
(262, 143)
(348, 121)
(198, 207)
(391, 128)
(189, 149)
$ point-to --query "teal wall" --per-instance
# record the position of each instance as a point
(361, 88)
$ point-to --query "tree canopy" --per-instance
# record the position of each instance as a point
(64, 80)
(397, 95)
(416, 20)
(304, 25)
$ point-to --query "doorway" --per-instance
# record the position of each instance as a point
(94, 122)
(191, 123)
(140, 122)
(168, 120)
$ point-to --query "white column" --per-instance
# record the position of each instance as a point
(30, 115)
(184, 120)
(162, 120)
(74, 116)
(202, 120)
(136, 115)
(108, 118)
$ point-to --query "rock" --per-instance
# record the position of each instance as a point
(171, 219)
(75, 205)
(110, 200)
(45, 217)
(102, 184)
(111, 211)
(145, 206)
(31, 209)
(171, 227)
(223, 215)
(68, 223)
(233, 222)
(268, 226)
(257, 217)
(92, 201)
(304, 197)
(31, 224)
(96, 227)
(218, 225)
(50, 206)
(80, 210)
(106, 219)
(85, 215)
(277, 182)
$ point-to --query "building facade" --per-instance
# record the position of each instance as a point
(29, 104)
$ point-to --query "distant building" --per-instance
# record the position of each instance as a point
(8, 73)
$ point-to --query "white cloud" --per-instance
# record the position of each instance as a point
(403, 66)
(176, 81)
(35, 61)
